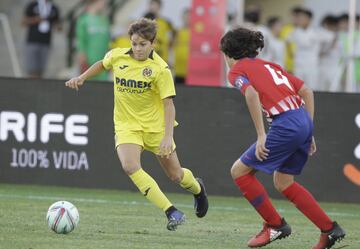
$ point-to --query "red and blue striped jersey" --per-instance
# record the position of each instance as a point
(277, 89)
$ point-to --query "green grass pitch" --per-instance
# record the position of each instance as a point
(113, 219)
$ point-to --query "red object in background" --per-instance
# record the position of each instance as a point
(205, 66)
(84, 67)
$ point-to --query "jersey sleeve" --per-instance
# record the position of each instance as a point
(107, 61)
(295, 81)
(165, 83)
(239, 80)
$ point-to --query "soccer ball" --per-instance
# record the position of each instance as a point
(62, 217)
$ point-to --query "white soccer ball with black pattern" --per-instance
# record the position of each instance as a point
(62, 217)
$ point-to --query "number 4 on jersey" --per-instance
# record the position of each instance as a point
(278, 77)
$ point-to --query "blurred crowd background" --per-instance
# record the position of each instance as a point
(59, 39)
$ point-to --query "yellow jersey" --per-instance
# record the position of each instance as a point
(139, 90)
(163, 38)
(290, 47)
(121, 42)
(181, 50)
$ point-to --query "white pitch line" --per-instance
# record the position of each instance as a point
(128, 203)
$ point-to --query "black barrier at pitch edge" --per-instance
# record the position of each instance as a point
(62, 137)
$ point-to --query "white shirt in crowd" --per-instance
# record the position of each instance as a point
(329, 60)
(306, 59)
(274, 49)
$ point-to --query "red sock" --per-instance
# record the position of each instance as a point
(305, 202)
(255, 193)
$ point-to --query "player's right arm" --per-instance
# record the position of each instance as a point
(76, 82)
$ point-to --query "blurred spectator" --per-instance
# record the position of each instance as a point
(181, 49)
(330, 53)
(165, 31)
(290, 46)
(231, 22)
(252, 18)
(93, 36)
(40, 17)
(275, 50)
(306, 58)
(344, 41)
(121, 39)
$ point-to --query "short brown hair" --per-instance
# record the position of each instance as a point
(145, 28)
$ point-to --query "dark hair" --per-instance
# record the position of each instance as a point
(345, 17)
(330, 20)
(145, 28)
(272, 21)
(150, 15)
(307, 12)
(240, 43)
(297, 10)
(252, 16)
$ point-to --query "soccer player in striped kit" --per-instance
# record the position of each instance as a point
(284, 150)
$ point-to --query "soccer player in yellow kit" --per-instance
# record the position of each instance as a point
(144, 118)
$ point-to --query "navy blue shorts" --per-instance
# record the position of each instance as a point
(288, 140)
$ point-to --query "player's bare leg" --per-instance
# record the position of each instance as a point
(282, 181)
(239, 169)
(185, 178)
(129, 156)
(305, 202)
(172, 167)
(274, 226)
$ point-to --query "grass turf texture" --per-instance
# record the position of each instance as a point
(119, 219)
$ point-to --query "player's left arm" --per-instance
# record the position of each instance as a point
(304, 92)
(254, 105)
(308, 96)
(167, 92)
(169, 113)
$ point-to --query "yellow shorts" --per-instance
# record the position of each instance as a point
(150, 141)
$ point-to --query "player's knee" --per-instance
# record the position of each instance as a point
(281, 184)
(175, 176)
(233, 171)
(278, 186)
(282, 181)
(239, 169)
(130, 167)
